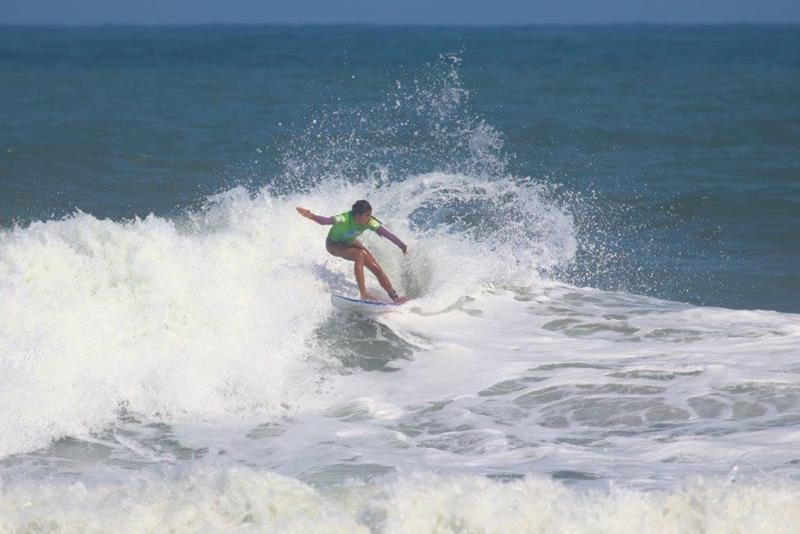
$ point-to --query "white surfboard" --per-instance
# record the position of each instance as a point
(350, 304)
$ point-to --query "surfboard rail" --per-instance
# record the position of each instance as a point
(342, 302)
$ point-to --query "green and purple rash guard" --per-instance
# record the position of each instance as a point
(345, 229)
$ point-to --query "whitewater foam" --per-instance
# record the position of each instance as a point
(216, 312)
(241, 500)
(204, 348)
(99, 315)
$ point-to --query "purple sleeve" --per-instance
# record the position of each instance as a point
(383, 232)
(319, 219)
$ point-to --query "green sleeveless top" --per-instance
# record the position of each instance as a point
(345, 229)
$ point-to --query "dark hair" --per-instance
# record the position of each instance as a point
(361, 207)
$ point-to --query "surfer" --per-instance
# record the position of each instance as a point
(342, 242)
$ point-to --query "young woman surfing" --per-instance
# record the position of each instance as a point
(342, 242)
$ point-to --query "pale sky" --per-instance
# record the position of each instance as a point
(458, 12)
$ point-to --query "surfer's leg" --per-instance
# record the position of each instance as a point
(358, 255)
(373, 265)
(358, 269)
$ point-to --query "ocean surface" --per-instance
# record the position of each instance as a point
(604, 265)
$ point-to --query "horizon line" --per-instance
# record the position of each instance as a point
(384, 24)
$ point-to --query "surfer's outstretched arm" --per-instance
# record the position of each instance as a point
(319, 219)
(384, 232)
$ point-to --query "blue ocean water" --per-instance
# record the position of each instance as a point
(604, 266)
(681, 141)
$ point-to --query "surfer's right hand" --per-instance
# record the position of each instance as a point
(305, 212)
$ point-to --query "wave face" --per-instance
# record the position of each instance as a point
(216, 313)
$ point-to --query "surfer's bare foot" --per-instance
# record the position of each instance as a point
(369, 296)
(396, 298)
